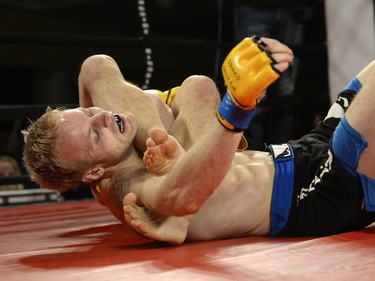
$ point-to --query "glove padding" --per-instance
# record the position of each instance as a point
(247, 71)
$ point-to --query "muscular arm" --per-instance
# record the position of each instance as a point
(101, 84)
(195, 176)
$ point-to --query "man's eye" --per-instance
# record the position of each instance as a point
(96, 135)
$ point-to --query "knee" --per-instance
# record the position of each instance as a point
(199, 82)
(201, 87)
(96, 66)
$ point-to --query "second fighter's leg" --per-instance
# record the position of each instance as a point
(163, 151)
(345, 98)
(158, 227)
(353, 142)
(194, 107)
(361, 117)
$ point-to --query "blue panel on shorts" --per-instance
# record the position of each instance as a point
(354, 85)
(348, 145)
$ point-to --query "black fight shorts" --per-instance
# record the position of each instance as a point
(326, 198)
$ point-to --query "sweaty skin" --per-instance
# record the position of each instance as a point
(163, 152)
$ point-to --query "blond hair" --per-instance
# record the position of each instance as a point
(40, 154)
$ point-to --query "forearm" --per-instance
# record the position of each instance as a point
(197, 175)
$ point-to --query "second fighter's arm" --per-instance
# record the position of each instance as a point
(194, 177)
(102, 84)
(251, 66)
(200, 171)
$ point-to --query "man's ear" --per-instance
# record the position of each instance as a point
(93, 174)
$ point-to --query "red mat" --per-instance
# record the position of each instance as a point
(82, 241)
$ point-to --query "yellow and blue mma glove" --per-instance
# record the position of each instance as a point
(247, 71)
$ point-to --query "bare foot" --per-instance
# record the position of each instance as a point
(163, 151)
(152, 225)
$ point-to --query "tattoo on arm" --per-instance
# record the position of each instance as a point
(120, 188)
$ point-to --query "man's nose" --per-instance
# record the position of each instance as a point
(102, 118)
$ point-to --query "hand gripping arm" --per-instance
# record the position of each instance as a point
(247, 70)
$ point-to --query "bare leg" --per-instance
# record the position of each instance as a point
(163, 151)
(361, 117)
(194, 107)
(154, 226)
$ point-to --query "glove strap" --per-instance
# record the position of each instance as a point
(232, 117)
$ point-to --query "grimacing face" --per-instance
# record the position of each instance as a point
(96, 135)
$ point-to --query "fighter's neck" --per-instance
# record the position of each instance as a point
(129, 165)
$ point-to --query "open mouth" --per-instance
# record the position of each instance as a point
(119, 123)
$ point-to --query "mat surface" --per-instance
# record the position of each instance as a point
(82, 241)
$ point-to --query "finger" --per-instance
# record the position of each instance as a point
(282, 66)
(274, 46)
(282, 57)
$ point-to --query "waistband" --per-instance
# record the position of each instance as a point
(283, 186)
